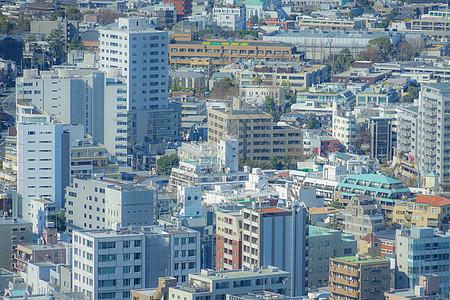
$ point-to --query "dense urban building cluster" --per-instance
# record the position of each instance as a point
(225, 150)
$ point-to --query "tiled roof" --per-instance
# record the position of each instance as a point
(432, 200)
(370, 238)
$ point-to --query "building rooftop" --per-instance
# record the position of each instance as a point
(323, 210)
(355, 259)
(375, 178)
(9, 220)
(403, 293)
(432, 200)
(370, 238)
(210, 274)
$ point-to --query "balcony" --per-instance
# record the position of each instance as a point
(344, 271)
(334, 290)
(352, 283)
(432, 223)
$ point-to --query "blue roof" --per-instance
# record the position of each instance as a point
(374, 178)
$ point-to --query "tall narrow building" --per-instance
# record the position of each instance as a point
(277, 237)
(43, 163)
(141, 53)
(433, 127)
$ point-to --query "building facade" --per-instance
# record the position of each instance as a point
(259, 138)
(228, 240)
(278, 237)
(359, 278)
(105, 203)
(140, 52)
(422, 251)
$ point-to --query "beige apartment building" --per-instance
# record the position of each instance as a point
(259, 137)
(358, 277)
(423, 211)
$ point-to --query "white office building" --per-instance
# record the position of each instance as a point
(97, 100)
(107, 264)
(230, 16)
(43, 155)
(109, 203)
(141, 53)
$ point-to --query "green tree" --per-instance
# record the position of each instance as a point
(225, 88)
(312, 123)
(23, 25)
(337, 205)
(60, 221)
(381, 49)
(70, 13)
(275, 163)
(271, 108)
(5, 25)
(165, 164)
(56, 45)
(413, 93)
(76, 44)
(342, 61)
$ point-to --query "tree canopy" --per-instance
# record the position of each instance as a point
(57, 47)
(70, 13)
(60, 221)
(165, 164)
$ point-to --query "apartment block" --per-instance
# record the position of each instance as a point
(13, 231)
(228, 240)
(363, 216)
(278, 237)
(108, 264)
(298, 75)
(259, 137)
(89, 158)
(43, 169)
(136, 49)
(325, 243)
(29, 253)
(423, 251)
(97, 100)
(431, 24)
(424, 211)
(357, 277)
(432, 127)
(384, 189)
(109, 203)
(208, 165)
(216, 285)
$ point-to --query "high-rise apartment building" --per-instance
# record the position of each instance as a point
(228, 240)
(259, 137)
(140, 52)
(108, 264)
(109, 203)
(43, 167)
(433, 126)
(422, 251)
(277, 237)
(97, 100)
(359, 278)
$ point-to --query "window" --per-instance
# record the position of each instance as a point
(107, 245)
(137, 256)
(107, 270)
(137, 243)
